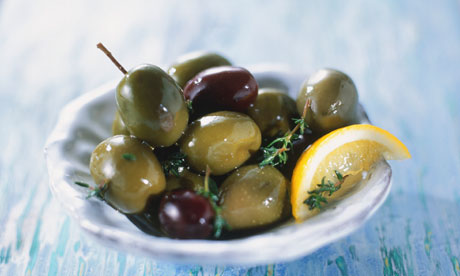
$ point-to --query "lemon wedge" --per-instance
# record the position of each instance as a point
(350, 151)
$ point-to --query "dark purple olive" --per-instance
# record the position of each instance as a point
(221, 88)
(183, 214)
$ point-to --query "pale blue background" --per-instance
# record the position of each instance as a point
(404, 57)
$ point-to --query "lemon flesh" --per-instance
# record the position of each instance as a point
(352, 151)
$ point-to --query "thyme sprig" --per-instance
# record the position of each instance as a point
(276, 152)
(172, 165)
(211, 191)
(97, 191)
(316, 198)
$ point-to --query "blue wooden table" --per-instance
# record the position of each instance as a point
(404, 57)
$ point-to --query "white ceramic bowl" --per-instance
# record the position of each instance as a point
(86, 121)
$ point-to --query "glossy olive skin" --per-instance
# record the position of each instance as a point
(118, 127)
(221, 88)
(223, 140)
(184, 214)
(189, 65)
(186, 180)
(152, 106)
(334, 100)
(253, 197)
(273, 112)
(131, 179)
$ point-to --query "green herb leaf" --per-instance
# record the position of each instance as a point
(219, 225)
(211, 191)
(302, 124)
(339, 175)
(213, 187)
(172, 165)
(94, 191)
(82, 184)
(189, 104)
(271, 156)
(316, 198)
(276, 152)
(129, 156)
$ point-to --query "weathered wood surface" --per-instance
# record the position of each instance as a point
(404, 57)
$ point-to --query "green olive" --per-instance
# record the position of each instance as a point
(118, 127)
(253, 197)
(130, 170)
(334, 100)
(273, 112)
(222, 140)
(186, 180)
(189, 65)
(152, 106)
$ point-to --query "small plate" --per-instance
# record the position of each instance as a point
(86, 121)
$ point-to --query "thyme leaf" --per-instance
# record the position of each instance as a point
(189, 104)
(82, 184)
(172, 165)
(316, 198)
(129, 156)
(210, 191)
(276, 152)
(97, 191)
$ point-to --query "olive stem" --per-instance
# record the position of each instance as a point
(294, 130)
(206, 179)
(304, 115)
(110, 56)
